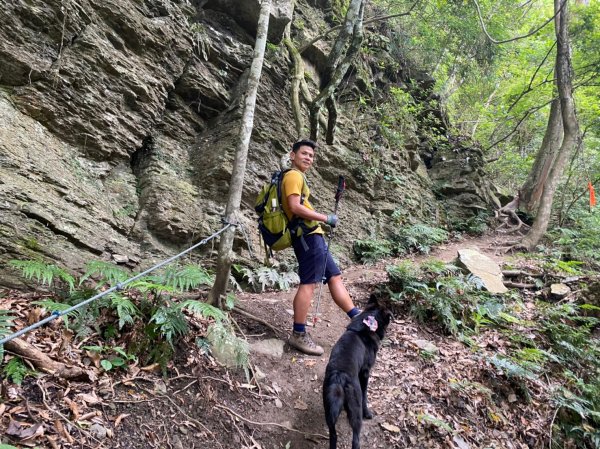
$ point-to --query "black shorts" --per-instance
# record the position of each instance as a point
(312, 261)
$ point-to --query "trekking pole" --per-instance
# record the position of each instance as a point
(338, 196)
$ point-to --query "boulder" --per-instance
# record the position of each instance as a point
(272, 347)
(484, 268)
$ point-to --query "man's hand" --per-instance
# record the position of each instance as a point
(332, 220)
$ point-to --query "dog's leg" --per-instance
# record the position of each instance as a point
(354, 412)
(333, 400)
(364, 383)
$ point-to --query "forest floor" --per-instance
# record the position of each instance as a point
(448, 397)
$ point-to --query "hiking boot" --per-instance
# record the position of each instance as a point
(304, 343)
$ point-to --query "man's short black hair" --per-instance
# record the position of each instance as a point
(304, 142)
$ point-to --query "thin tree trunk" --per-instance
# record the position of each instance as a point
(224, 259)
(532, 189)
(571, 137)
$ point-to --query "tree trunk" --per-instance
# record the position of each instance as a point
(224, 259)
(571, 136)
(338, 61)
(533, 187)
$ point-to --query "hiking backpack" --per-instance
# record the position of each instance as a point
(273, 224)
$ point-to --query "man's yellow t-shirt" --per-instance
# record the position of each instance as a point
(294, 183)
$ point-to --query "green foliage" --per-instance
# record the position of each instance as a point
(369, 250)
(268, 277)
(183, 278)
(114, 357)
(6, 320)
(581, 240)
(15, 370)
(439, 423)
(476, 225)
(203, 309)
(147, 308)
(439, 291)
(46, 274)
(513, 369)
(107, 273)
(419, 237)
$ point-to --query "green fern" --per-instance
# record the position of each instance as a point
(203, 309)
(268, 277)
(370, 250)
(126, 310)
(513, 369)
(54, 306)
(42, 272)
(108, 272)
(170, 323)
(436, 266)
(5, 328)
(145, 285)
(184, 278)
(419, 237)
(15, 370)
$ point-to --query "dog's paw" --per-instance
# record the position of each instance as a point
(367, 414)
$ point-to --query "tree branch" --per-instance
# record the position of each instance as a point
(494, 41)
(304, 47)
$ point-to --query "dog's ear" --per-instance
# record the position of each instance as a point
(373, 299)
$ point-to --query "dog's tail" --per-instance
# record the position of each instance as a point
(334, 398)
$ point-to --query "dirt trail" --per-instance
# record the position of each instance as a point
(203, 405)
(404, 385)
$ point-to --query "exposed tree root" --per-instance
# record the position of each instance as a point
(509, 220)
(44, 363)
(239, 310)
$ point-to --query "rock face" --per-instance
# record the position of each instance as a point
(484, 268)
(119, 122)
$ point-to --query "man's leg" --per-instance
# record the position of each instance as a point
(302, 302)
(300, 339)
(339, 293)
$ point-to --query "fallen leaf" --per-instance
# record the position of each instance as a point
(154, 368)
(390, 427)
(120, 418)
(89, 398)
(300, 405)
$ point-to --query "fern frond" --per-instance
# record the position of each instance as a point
(43, 272)
(203, 309)
(53, 306)
(145, 285)
(126, 310)
(108, 272)
(184, 278)
(511, 369)
(15, 370)
(5, 328)
(170, 321)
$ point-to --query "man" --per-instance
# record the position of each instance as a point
(310, 248)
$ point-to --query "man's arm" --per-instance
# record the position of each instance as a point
(302, 211)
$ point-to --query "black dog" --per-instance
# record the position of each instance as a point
(349, 367)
